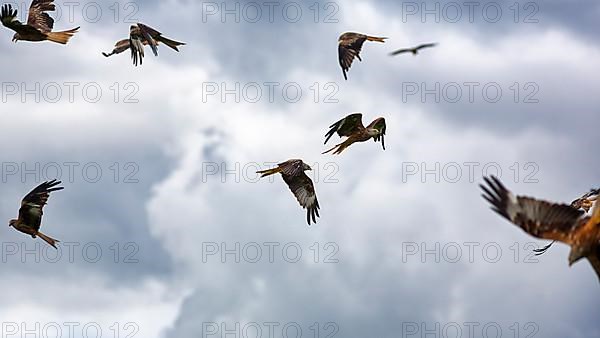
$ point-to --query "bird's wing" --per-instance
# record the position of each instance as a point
(150, 36)
(136, 45)
(8, 17)
(291, 167)
(402, 51)
(348, 49)
(32, 204)
(380, 125)
(426, 45)
(540, 219)
(121, 46)
(38, 17)
(346, 126)
(302, 187)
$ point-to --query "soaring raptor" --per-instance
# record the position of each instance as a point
(141, 35)
(300, 184)
(351, 126)
(349, 47)
(541, 219)
(39, 23)
(30, 213)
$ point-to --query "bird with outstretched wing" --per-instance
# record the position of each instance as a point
(546, 220)
(352, 127)
(141, 35)
(293, 174)
(585, 203)
(31, 211)
(414, 50)
(349, 47)
(39, 24)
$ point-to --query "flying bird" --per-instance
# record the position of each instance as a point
(414, 50)
(30, 213)
(352, 127)
(300, 184)
(39, 23)
(141, 35)
(546, 220)
(585, 203)
(349, 47)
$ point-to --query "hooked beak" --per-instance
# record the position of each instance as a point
(14, 40)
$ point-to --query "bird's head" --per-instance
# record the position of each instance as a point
(306, 167)
(373, 132)
(16, 37)
(12, 223)
(577, 253)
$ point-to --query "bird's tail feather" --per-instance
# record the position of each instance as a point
(269, 172)
(62, 37)
(339, 147)
(376, 39)
(48, 239)
(171, 43)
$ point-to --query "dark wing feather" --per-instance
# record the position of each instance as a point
(302, 187)
(426, 45)
(32, 204)
(349, 48)
(380, 125)
(38, 17)
(150, 35)
(136, 45)
(8, 17)
(540, 219)
(346, 126)
(292, 168)
(120, 47)
(402, 51)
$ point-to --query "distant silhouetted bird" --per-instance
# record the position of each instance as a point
(414, 50)
(30, 213)
(352, 127)
(559, 222)
(39, 23)
(141, 35)
(300, 184)
(349, 47)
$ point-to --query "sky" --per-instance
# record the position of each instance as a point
(167, 232)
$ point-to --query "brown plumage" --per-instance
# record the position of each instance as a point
(352, 127)
(300, 184)
(39, 24)
(141, 35)
(585, 203)
(31, 211)
(349, 47)
(559, 222)
(414, 50)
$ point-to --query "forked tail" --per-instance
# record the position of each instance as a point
(269, 172)
(339, 147)
(376, 39)
(171, 43)
(62, 37)
(48, 239)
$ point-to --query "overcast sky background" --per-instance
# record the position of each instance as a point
(168, 204)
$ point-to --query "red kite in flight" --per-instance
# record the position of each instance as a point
(414, 50)
(351, 126)
(541, 219)
(349, 46)
(39, 23)
(300, 184)
(30, 213)
(141, 35)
